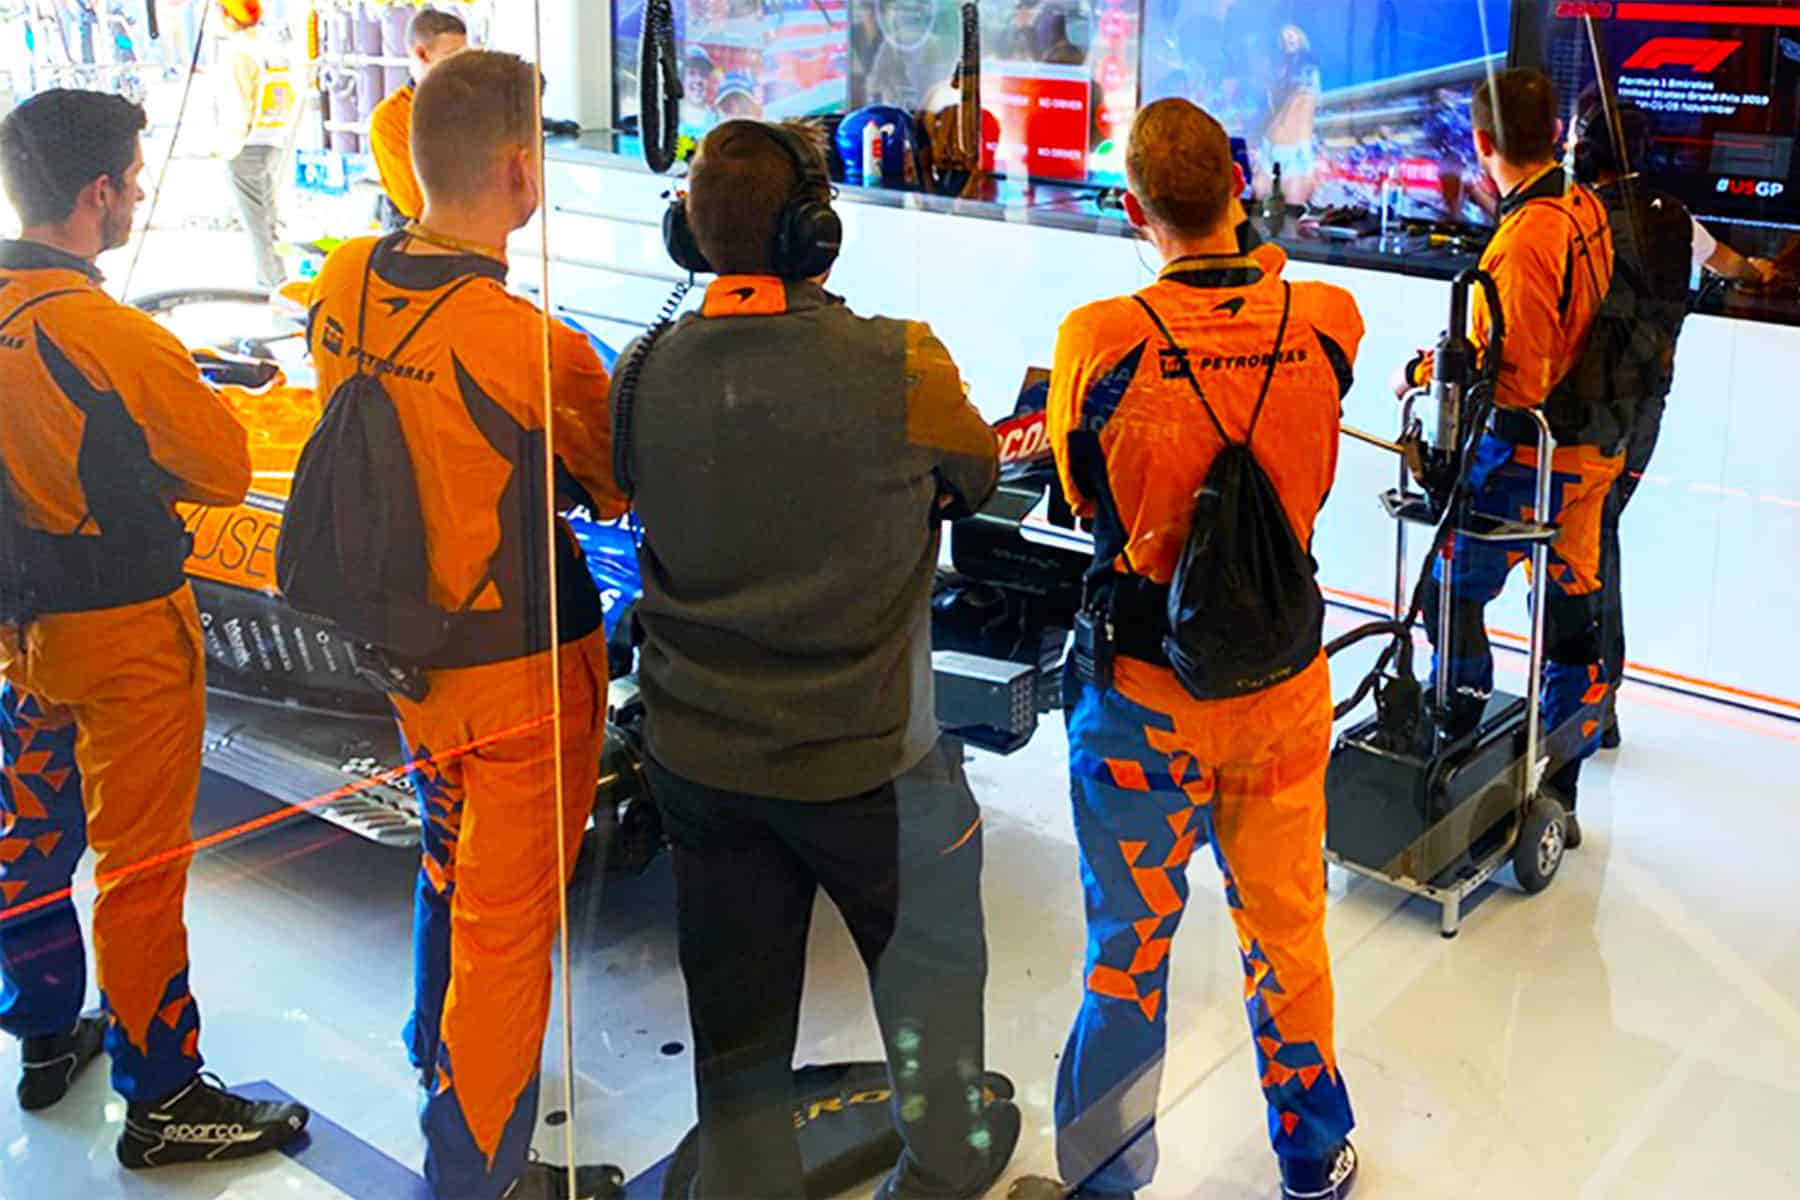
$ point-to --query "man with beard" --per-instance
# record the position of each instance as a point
(103, 705)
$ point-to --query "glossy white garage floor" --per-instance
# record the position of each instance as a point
(1632, 1032)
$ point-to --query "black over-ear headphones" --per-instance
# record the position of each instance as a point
(808, 234)
(1595, 153)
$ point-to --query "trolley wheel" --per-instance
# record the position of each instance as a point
(1543, 838)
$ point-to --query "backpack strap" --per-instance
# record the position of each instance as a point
(1593, 274)
(1287, 307)
(362, 314)
(1187, 370)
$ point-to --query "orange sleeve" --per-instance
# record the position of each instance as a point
(582, 418)
(390, 140)
(940, 420)
(188, 430)
(1527, 261)
(1071, 373)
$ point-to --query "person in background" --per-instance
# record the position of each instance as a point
(483, 746)
(1157, 775)
(103, 705)
(1659, 245)
(262, 107)
(698, 74)
(1288, 135)
(1551, 260)
(434, 37)
(737, 98)
(786, 670)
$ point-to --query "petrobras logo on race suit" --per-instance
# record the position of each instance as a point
(1023, 439)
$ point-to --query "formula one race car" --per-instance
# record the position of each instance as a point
(288, 715)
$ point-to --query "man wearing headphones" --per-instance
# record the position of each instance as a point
(1658, 245)
(791, 462)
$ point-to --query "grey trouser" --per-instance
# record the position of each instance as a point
(253, 174)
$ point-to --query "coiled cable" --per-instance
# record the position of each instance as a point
(625, 386)
(659, 87)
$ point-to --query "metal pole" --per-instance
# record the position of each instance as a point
(1540, 556)
(1371, 440)
(1402, 597)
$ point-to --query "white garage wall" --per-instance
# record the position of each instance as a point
(1712, 579)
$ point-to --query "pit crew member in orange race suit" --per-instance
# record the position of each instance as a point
(434, 36)
(103, 709)
(1154, 773)
(482, 743)
(1552, 262)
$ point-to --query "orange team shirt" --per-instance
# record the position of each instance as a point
(480, 351)
(1552, 261)
(390, 140)
(1114, 374)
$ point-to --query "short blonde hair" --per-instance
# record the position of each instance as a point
(471, 109)
(1179, 165)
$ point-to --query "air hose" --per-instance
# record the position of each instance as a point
(659, 87)
(1457, 446)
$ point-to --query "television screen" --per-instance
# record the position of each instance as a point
(1723, 97)
(1059, 76)
(1346, 99)
(766, 59)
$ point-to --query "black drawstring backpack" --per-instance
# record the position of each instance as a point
(1244, 611)
(352, 548)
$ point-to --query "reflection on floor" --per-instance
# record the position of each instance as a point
(1634, 1031)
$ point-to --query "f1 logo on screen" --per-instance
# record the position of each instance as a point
(1702, 55)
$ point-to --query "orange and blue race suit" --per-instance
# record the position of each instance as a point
(103, 710)
(1156, 774)
(1552, 261)
(483, 744)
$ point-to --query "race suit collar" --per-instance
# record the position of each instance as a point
(1549, 184)
(763, 296)
(429, 272)
(21, 255)
(1216, 270)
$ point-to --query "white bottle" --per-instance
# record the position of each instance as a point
(872, 148)
(1390, 216)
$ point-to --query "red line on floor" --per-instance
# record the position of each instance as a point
(257, 824)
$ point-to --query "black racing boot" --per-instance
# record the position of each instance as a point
(546, 1181)
(205, 1123)
(1329, 1180)
(1005, 1123)
(49, 1065)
